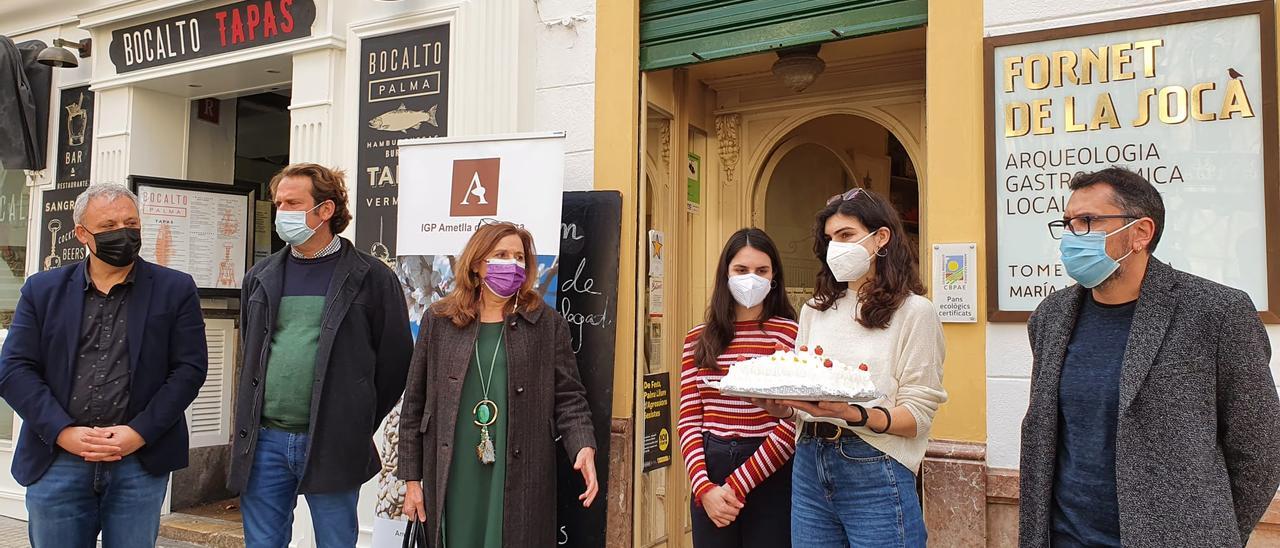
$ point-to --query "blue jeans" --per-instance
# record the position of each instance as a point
(74, 500)
(267, 502)
(846, 493)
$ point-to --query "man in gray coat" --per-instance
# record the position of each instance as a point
(1153, 414)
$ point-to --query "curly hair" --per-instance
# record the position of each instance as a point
(897, 275)
(326, 184)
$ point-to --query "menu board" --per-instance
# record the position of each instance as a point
(199, 228)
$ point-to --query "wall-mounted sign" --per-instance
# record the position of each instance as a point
(209, 109)
(58, 243)
(1188, 100)
(657, 421)
(404, 93)
(693, 178)
(223, 29)
(955, 282)
(202, 229)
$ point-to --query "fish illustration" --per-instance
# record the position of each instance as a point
(402, 119)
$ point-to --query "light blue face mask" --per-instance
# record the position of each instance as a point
(1086, 259)
(292, 227)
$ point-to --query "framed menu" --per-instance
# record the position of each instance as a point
(203, 229)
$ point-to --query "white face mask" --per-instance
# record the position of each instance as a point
(749, 289)
(849, 261)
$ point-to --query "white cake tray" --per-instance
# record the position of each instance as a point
(784, 395)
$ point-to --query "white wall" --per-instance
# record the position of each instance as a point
(1008, 352)
(565, 91)
(211, 148)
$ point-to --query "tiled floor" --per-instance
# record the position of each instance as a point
(13, 534)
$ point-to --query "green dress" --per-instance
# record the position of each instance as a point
(473, 498)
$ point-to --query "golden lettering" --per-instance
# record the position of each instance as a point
(1012, 70)
(1064, 67)
(1104, 113)
(1197, 102)
(1017, 119)
(1091, 61)
(1173, 98)
(1037, 71)
(1071, 124)
(1040, 116)
(1119, 58)
(1148, 48)
(1236, 101)
(1144, 107)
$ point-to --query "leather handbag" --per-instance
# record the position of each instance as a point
(415, 535)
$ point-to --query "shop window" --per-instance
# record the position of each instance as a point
(14, 202)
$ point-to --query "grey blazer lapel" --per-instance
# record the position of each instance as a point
(1150, 323)
(1055, 338)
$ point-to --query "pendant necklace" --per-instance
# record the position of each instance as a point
(486, 411)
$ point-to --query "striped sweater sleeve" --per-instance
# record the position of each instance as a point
(777, 448)
(689, 425)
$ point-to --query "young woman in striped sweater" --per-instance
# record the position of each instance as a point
(737, 455)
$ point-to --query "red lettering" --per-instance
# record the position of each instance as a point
(287, 25)
(269, 21)
(222, 26)
(254, 17)
(237, 27)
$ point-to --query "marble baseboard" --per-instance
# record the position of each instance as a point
(619, 523)
(954, 476)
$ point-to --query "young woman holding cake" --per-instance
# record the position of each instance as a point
(737, 455)
(855, 465)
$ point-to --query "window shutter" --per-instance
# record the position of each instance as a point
(209, 417)
(683, 32)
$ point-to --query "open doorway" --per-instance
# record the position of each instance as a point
(241, 140)
(819, 159)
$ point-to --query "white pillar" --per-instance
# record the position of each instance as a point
(316, 111)
(139, 132)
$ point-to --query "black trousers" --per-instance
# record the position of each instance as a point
(765, 520)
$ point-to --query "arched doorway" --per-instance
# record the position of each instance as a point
(820, 158)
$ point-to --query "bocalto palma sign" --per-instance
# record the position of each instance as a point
(223, 29)
(1187, 100)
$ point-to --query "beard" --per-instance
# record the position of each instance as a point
(1120, 271)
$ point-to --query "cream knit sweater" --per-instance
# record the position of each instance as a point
(904, 359)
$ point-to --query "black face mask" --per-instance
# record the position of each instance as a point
(119, 247)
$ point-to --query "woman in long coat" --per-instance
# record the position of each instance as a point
(492, 387)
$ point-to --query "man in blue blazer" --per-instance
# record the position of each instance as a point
(101, 361)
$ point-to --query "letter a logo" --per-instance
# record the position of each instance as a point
(475, 188)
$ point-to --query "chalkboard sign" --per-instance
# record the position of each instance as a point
(591, 225)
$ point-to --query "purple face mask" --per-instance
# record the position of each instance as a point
(504, 277)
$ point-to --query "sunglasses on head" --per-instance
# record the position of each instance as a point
(844, 196)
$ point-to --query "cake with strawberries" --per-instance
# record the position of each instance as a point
(801, 375)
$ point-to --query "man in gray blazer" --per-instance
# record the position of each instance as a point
(1154, 417)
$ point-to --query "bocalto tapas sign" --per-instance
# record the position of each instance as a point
(223, 29)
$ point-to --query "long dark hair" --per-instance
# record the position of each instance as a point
(896, 274)
(721, 313)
